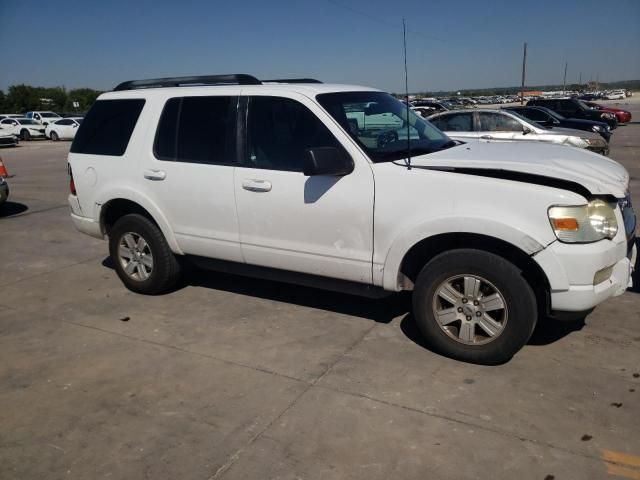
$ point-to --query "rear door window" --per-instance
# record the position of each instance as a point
(198, 130)
(498, 122)
(107, 128)
(454, 122)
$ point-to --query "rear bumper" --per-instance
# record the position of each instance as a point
(4, 193)
(84, 224)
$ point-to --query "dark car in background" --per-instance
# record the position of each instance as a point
(574, 108)
(427, 107)
(549, 119)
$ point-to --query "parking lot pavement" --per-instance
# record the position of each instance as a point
(240, 378)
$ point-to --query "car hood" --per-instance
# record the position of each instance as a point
(580, 121)
(598, 174)
(570, 132)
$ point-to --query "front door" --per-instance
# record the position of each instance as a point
(321, 225)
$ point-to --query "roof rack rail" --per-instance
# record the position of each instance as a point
(233, 79)
(292, 80)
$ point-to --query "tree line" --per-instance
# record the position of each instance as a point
(24, 98)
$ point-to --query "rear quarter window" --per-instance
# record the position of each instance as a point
(107, 128)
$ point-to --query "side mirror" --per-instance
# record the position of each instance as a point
(526, 130)
(75, 125)
(326, 161)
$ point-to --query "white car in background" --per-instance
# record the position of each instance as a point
(616, 95)
(63, 129)
(7, 139)
(10, 115)
(25, 128)
(45, 118)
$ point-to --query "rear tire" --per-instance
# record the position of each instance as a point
(474, 306)
(25, 135)
(54, 136)
(143, 260)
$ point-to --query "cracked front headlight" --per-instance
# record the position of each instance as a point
(584, 223)
(595, 142)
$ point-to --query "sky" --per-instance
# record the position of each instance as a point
(451, 44)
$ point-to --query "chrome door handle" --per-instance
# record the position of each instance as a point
(155, 175)
(486, 137)
(256, 185)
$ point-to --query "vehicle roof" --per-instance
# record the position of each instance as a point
(308, 89)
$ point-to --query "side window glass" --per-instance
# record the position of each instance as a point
(456, 122)
(279, 130)
(536, 115)
(197, 130)
(107, 127)
(497, 122)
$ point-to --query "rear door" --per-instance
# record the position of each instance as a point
(189, 173)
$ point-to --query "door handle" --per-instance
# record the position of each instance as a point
(155, 175)
(486, 137)
(256, 185)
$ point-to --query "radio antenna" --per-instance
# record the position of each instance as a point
(406, 91)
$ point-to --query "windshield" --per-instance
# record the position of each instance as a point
(26, 121)
(553, 114)
(378, 123)
(49, 115)
(586, 106)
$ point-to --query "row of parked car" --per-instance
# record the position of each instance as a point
(565, 121)
(37, 124)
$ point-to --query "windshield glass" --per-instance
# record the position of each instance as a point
(585, 106)
(26, 121)
(49, 115)
(378, 123)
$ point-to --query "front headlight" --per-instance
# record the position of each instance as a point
(597, 128)
(594, 142)
(584, 223)
(608, 115)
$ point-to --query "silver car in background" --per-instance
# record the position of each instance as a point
(502, 126)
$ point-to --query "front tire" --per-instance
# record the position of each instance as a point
(474, 306)
(143, 260)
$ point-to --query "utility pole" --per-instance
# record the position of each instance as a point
(564, 81)
(580, 81)
(524, 68)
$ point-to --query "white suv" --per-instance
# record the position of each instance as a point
(311, 183)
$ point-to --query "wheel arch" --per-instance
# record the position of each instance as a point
(428, 248)
(116, 208)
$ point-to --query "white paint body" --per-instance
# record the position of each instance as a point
(15, 126)
(65, 128)
(357, 227)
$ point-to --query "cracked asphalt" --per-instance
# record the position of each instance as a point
(236, 378)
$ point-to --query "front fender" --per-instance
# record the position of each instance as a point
(448, 225)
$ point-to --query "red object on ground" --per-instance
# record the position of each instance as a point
(3, 170)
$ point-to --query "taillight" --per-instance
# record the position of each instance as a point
(72, 185)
